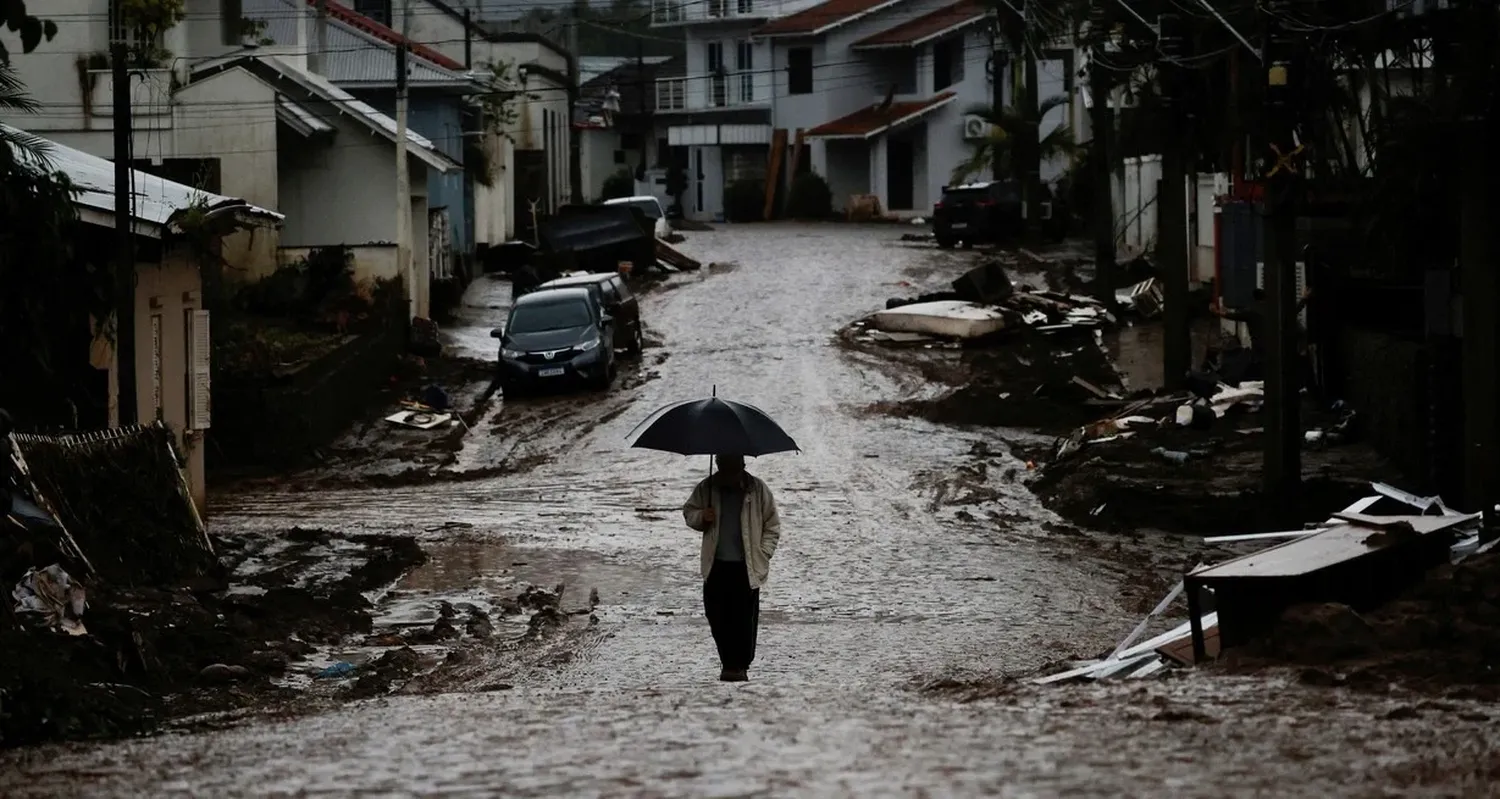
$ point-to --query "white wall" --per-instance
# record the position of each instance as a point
(231, 116)
(494, 222)
(1136, 191)
(598, 159)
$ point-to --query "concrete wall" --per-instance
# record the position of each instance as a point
(494, 223)
(599, 148)
(231, 116)
(845, 165)
(165, 294)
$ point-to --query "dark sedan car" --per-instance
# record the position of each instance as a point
(988, 213)
(615, 297)
(556, 337)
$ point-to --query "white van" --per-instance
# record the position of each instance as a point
(651, 207)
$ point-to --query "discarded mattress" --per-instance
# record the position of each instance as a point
(950, 318)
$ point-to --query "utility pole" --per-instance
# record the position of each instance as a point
(1031, 179)
(404, 257)
(1480, 284)
(575, 146)
(1102, 121)
(1283, 454)
(1171, 198)
(320, 37)
(640, 82)
(125, 397)
(468, 39)
(999, 71)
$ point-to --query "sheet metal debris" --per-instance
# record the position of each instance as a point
(52, 594)
(1132, 660)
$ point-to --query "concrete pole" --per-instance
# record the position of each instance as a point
(125, 396)
(404, 259)
(1102, 120)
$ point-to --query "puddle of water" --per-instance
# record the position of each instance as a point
(484, 306)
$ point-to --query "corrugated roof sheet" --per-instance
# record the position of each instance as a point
(355, 58)
(822, 17)
(156, 200)
(872, 121)
(360, 50)
(300, 119)
(943, 21)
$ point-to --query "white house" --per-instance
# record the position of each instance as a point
(241, 111)
(877, 88)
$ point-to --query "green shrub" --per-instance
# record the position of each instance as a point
(620, 184)
(745, 201)
(809, 197)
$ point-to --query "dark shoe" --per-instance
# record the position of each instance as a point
(735, 675)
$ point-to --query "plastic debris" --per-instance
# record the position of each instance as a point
(53, 594)
(341, 669)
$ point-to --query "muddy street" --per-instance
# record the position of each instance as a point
(897, 602)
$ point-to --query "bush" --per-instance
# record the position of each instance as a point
(809, 197)
(620, 184)
(745, 201)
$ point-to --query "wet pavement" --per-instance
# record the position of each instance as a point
(891, 574)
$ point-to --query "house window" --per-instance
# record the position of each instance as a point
(378, 10)
(666, 11)
(744, 63)
(631, 141)
(718, 81)
(799, 70)
(745, 6)
(671, 94)
(619, 157)
(947, 63)
(663, 152)
(718, 8)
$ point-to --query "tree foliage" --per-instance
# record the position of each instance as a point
(32, 30)
(620, 184)
(1005, 126)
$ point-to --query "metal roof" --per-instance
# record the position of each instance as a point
(338, 100)
(356, 58)
(294, 116)
(156, 201)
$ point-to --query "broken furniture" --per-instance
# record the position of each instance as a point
(1356, 563)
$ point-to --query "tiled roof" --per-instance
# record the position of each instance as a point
(822, 17)
(872, 121)
(943, 21)
(349, 16)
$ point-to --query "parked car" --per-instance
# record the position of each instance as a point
(556, 337)
(651, 207)
(617, 301)
(988, 213)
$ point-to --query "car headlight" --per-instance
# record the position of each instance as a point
(505, 353)
(588, 345)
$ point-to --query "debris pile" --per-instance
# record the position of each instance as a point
(1355, 557)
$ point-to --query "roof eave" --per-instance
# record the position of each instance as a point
(835, 24)
(918, 42)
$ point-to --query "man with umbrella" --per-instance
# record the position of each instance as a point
(737, 515)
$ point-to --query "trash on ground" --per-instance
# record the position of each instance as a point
(337, 671)
(949, 318)
(52, 594)
(420, 419)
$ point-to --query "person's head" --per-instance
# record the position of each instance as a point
(730, 465)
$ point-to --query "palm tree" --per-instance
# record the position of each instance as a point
(996, 152)
(19, 149)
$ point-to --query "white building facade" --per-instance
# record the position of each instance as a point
(878, 90)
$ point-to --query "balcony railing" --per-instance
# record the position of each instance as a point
(724, 90)
(666, 12)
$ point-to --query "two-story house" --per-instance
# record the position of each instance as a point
(877, 89)
(719, 112)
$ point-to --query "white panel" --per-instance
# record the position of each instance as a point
(744, 134)
(693, 135)
(199, 348)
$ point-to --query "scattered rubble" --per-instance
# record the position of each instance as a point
(1443, 630)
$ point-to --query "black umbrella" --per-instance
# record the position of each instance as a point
(713, 426)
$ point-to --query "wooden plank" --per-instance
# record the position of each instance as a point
(675, 257)
(773, 171)
(797, 145)
(1180, 650)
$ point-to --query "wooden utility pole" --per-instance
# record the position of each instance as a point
(1477, 277)
(1102, 121)
(1031, 178)
(125, 396)
(320, 37)
(404, 256)
(1283, 453)
(1171, 200)
(575, 144)
(999, 72)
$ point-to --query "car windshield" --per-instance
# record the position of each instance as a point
(549, 316)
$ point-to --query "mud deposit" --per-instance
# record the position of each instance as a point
(155, 654)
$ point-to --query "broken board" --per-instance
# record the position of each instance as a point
(948, 318)
(419, 420)
(675, 257)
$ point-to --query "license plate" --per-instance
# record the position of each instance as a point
(557, 372)
(960, 225)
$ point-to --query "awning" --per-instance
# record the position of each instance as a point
(868, 123)
(304, 122)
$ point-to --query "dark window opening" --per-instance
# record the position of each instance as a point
(947, 64)
(799, 70)
(619, 156)
(663, 153)
(232, 21)
(378, 10)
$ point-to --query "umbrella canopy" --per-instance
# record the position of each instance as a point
(713, 427)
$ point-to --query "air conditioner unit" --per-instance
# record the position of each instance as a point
(975, 127)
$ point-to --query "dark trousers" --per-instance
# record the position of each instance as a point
(733, 610)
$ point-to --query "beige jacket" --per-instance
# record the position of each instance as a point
(760, 525)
